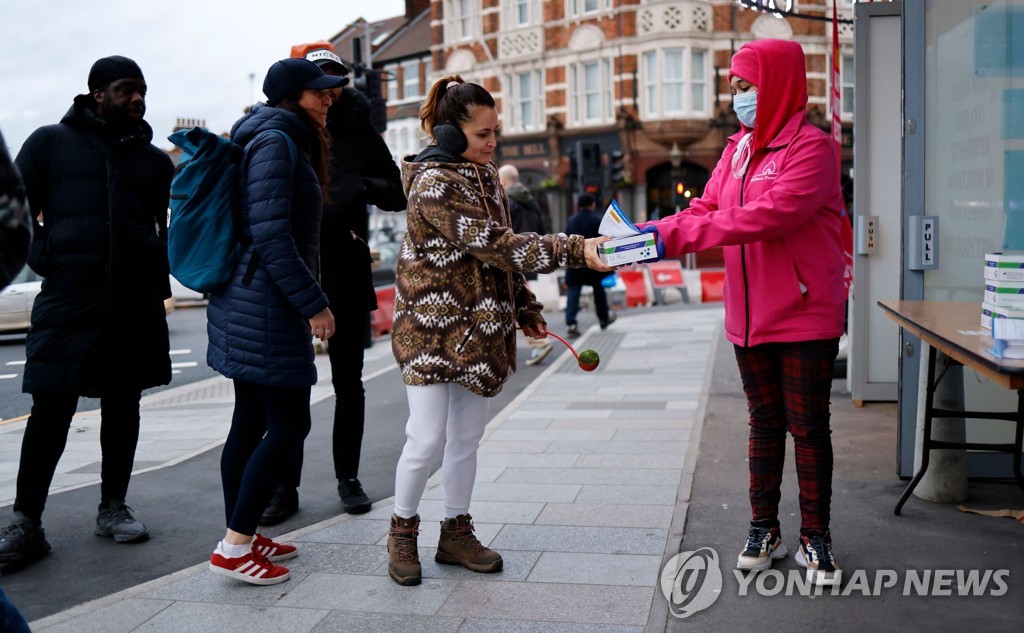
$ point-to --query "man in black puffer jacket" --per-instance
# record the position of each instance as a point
(362, 173)
(98, 191)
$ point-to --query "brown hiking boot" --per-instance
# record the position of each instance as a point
(403, 559)
(458, 546)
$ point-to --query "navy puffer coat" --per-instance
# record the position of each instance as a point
(259, 329)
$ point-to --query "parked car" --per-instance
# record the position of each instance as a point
(17, 298)
(16, 301)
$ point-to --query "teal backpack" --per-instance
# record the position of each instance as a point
(204, 236)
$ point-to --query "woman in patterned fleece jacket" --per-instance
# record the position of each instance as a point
(460, 295)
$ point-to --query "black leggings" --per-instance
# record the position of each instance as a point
(46, 435)
(346, 351)
(267, 430)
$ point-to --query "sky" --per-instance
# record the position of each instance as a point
(196, 55)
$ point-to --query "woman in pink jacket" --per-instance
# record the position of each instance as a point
(774, 203)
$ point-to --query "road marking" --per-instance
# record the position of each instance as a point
(8, 376)
(16, 362)
(185, 364)
(179, 352)
(175, 371)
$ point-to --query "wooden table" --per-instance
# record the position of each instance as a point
(953, 329)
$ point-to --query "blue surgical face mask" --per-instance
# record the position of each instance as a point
(745, 105)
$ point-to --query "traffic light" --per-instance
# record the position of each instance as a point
(616, 166)
(368, 81)
(587, 167)
(679, 194)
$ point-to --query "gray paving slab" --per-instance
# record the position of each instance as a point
(592, 604)
(618, 448)
(668, 459)
(361, 531)
(349, 622)
(548, 435)
(515, 492)
(213, 588)
(605, 515)
(627, 495)
(598, 540)
(596, 569)
(526, 460)
(121, 617)
(579, 475)
(193, 617)
(335, 558)
(510, 626)
(375, 594)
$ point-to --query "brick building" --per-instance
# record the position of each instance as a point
(647, 78)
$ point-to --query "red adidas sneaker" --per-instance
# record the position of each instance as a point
(253, 568)
(274, 551)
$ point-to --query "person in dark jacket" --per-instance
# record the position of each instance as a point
(585, 222)
(527, 217)
(362, 172)
(15, 233)
(15, 225)
(98, 191)
(261, 323)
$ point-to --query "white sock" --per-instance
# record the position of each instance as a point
(234, 551)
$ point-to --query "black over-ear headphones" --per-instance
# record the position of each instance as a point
(451, 138)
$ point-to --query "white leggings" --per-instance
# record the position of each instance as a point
(437, 411)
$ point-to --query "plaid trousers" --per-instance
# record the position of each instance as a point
(787, 386)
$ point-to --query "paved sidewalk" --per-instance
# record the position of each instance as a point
(583, 485)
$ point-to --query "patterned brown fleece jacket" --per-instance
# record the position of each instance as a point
(459, 288)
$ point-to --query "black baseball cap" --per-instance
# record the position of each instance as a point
(291, 76)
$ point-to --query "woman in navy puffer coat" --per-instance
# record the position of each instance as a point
(260, 323)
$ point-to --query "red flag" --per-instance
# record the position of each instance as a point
(845, 227)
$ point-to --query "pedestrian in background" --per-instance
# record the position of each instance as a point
(362, 172)
(15, 223)
(527, 217)
(460, 295)
(98, 191)
(15, 234)
(774, 203)
(261, 323)
(586, 222)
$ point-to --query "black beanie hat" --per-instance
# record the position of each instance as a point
(109, 69)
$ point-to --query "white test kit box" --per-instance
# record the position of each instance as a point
(989, 312)
(1004, 266)
(634, 249)
(1004, 293)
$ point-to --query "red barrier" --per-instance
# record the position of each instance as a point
(712, 284)
(636, 286)
(381, 318)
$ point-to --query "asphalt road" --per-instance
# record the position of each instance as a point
(187, 328)
(182, 504)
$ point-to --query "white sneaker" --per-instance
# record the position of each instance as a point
(764, 544)
(539, 354)
(815, 554)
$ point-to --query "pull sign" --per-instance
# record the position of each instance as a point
(923, 242)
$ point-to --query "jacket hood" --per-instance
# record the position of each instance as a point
(433, 157)
(263, 117)
(519, 192)
(778, 69)
(352, 109)
(82, 115)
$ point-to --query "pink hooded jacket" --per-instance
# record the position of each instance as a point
(779, 223)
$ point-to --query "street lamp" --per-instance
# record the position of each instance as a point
(675, 156)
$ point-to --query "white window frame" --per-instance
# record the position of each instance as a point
(581, 96)
(847, 78)
(406, 94)
(461, 26)
(392, 82)
(656, 82)
(513, 119)
(579, 9)
(513, 13)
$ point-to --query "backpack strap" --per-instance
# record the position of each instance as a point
(254, 261)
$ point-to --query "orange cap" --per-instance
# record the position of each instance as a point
(300, 50)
